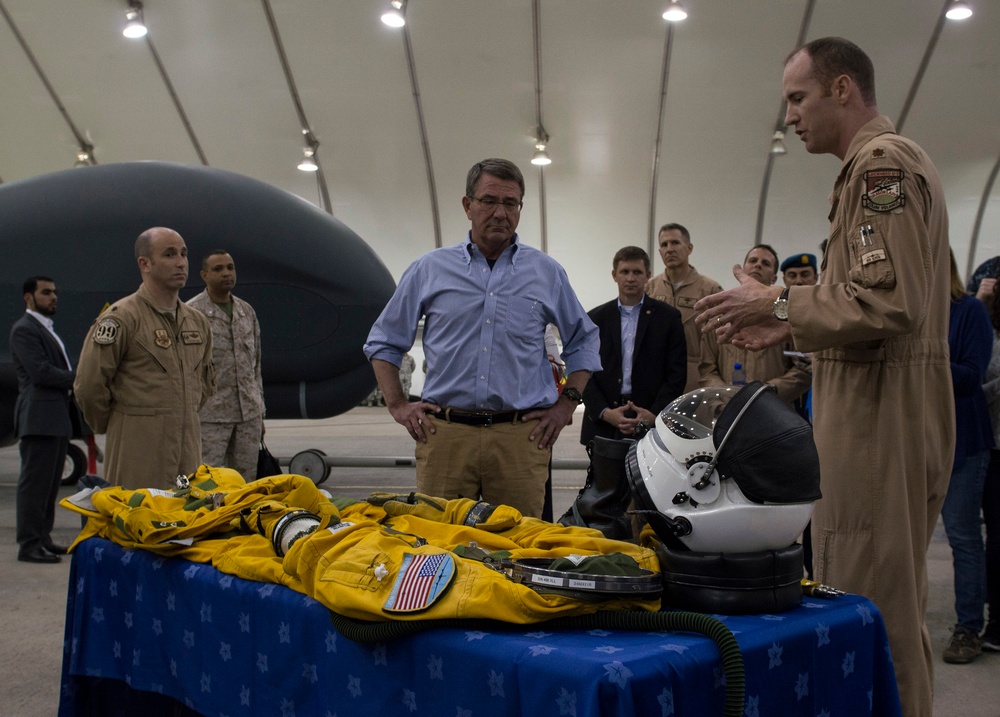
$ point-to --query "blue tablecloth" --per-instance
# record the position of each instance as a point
(226, 646)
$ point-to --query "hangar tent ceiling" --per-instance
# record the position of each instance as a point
(648, 122)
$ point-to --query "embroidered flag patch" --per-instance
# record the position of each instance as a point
(883, 190)
(422, 579)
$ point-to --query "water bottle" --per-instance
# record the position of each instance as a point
(739, 376)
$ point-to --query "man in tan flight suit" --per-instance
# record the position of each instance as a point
(681, 286)
(790, 377)
(232, 421)
(146, 369)
(877, 325)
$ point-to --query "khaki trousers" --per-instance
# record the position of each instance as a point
(496, 463)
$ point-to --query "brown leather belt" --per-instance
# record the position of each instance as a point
(480, 418)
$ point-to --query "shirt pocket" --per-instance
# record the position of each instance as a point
(871, 263)
(524, 319)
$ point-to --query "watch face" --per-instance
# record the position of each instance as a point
(572, 394)
(781, 309)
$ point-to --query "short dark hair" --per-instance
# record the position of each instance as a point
(683, 230)
(767, 247)
(499, 168)
(209, 254)
(31, 283)
(835, 56)
(630, 253)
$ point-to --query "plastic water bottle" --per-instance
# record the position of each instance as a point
(739, 376)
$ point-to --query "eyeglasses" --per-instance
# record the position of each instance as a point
(509, 205)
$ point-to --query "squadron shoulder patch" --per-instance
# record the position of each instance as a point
(883, 190)
(106, 331)
(422, 579)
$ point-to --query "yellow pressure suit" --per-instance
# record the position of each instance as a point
(364, 561)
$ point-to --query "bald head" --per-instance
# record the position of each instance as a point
(144, 244)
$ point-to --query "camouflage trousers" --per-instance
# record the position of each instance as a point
(232, 445)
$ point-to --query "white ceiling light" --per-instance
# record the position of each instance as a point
(675, 12)
(394, 17)
(541, 157)
(308, 163)
(134, 26)
(778, 142)
(959, 11)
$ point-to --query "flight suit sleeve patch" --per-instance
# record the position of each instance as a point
(422, 579)
(883, 190)
(106, 331)
(191, 337)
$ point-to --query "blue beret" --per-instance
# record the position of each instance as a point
(796, 261)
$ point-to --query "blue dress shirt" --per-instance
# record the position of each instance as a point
(484, 328)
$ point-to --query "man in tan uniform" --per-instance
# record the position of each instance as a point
(791, 378)
(877, 325)
(232, 421)
(681, 286)
(146, 369)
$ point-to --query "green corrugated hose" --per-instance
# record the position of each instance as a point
(732, 660)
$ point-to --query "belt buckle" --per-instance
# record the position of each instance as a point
(489, 420)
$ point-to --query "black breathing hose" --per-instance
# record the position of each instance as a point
(636, 621)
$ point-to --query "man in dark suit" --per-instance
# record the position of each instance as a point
(643, 353)
(45, 417)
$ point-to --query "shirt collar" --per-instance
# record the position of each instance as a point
(42, 319)
(470, 247)
(630, 309)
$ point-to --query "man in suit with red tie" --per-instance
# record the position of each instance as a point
(45, 418)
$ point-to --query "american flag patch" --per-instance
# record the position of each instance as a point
(421, 580)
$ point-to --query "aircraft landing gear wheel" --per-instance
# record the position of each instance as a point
(76, 465)
(310, 463)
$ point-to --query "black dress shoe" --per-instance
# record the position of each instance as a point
(56, 549)
(38, 555)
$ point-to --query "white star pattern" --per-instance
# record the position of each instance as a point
(266, 589)
(435, 668)
(474, 635)
(774, 655)
(666, 700)
(865, 612)
(127, 618)
(244, 622)
(674, 647)
(720, 677)
(226, 582)
(771, 618)
(116, 649)
(206, 682)
(79, 586)
(173, 668)
(284, 633)
(618, 673)
(225, 651)
(310, 673)
(537, 650)
(188, 639)
(753, 706)
(287, 708)
(608, 649)
(567, 702)
(354, 685)
(135, 657)
(459, 712)
(379, 655)
(813, 605)
(190, 572)
(824, 713)
(126, 557)
(138, 593)
(98, 554)
(113, 588)
(206, 612)
(802, 686)
(331, 641)
(822, 635)
(171, 602)
(496, 684)
(244, 695)
(158, 563)
(598, 633)
(538, 635)
(410, 700)
(848, 664)
(262, 662)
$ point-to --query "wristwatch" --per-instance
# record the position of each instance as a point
(573, 395)
(780, 307)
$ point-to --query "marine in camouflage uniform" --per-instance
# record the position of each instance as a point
(232, 421)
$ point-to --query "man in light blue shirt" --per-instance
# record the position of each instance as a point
(490, 410)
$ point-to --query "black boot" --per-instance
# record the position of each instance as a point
(605, 497)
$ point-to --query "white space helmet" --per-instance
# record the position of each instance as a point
(731, 469)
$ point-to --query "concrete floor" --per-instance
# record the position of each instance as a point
(33, 597)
